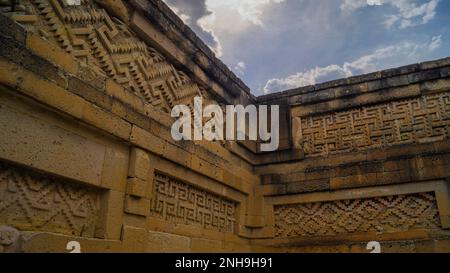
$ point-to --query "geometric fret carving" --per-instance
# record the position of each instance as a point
(107, 45)
(380, 214)
(31, 201)
(419, 120)
(178, 202)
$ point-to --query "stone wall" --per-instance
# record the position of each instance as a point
(86, 153)
(375, 161)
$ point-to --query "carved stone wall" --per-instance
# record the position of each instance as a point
(377, 215)
(364, 158)
(178, 202)
(107, 44)
(413, 121)
(33, 201)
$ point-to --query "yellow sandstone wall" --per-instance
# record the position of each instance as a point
(86, 153)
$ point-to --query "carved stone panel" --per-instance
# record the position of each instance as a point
(424, 119)
(35, 202)
(108, 46)
(178, 202)
(381, 214)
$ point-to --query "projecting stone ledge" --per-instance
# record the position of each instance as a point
(157, 12)
(393, 77)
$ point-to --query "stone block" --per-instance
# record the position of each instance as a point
(397, 81)
(435, 86)
(110, 215)
(160, 242)
(254, 221)
(445, 72)
(12, 29)
(139, 164)
(107, 121)
(92, 77)
(147, 140)
(351, 90)
(137, 206)
(317, 96)
(364, 78)
(424, 76)
(131, 115)
(268, 190)
(10, 240)
(114, 89)
(117, 8)
(177, 154)
(19, 54)
(199, 245)
(308, 186)
(137, 187)
(51, 52)
(34, 142)
(441, 246)
(90, 93)
(42, 90)
(134, 239)
(115, 168)
(435, 63)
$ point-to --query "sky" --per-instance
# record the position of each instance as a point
(276, 45)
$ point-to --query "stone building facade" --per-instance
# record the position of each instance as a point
(86, 153)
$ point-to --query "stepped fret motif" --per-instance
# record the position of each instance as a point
(425, 119)
(100, 41)
(179, 202)
(382, 214)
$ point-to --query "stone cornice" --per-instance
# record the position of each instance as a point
(159, 14)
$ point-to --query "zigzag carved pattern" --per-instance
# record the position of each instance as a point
(95, 38)
(381, 214)
(32, 201)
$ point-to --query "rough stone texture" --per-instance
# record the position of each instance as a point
(86, 152)
(116, 7)
(30, 201)
(10, 240)
(358, 216)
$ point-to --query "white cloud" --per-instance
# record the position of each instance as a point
(350, 5)
(409, 12)
(436, 43)
(222, 17)
(239, 68)
(377, 60)
(207, 24)
(184, 17)
(232, 16)
(247, 10)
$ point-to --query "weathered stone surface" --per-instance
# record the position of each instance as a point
(116, 7)
(89, 93)
(445, 72)
(137, 187)
(137, 206)
(139, 164)
(32, 201)
(12, 29)
(308, 186)
(35, 143)
(86, 152)
(52, 53)
(162, 243)
(19, 54)
(10, 240)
